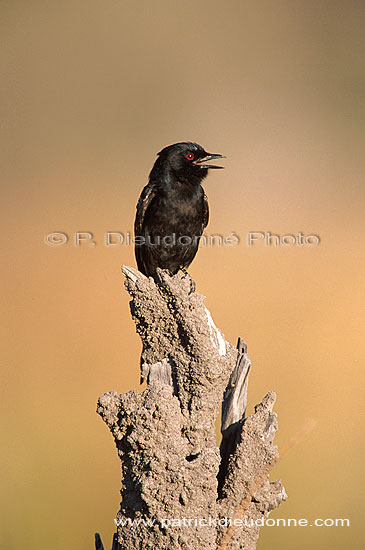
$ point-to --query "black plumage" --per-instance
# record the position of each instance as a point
(172, 210)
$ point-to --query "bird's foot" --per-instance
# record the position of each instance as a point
(192, 282)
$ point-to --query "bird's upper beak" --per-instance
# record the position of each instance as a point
(209, 156)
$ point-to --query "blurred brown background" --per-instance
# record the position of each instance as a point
(90, 92)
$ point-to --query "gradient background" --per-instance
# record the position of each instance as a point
(90, 92)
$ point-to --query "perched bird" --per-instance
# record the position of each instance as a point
(172, 210)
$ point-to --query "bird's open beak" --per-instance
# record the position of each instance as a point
(209, 156)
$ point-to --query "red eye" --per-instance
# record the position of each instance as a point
(189, 156)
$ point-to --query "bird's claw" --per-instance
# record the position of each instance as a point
(192, 286)
(192, 282)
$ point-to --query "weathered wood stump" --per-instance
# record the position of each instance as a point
(179, 491)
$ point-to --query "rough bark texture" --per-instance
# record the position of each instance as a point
(166, 437)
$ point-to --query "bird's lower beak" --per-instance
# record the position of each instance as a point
(210, 156)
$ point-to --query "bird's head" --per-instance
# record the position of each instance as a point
(187, 160)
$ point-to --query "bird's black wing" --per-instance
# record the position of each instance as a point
(144, 201)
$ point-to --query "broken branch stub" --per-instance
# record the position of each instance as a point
(166, 437)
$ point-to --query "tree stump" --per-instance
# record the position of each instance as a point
(179, 491)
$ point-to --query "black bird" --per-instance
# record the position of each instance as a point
(172, 210)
